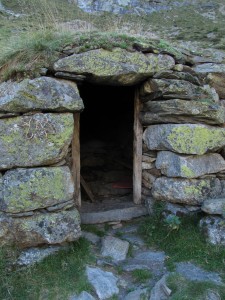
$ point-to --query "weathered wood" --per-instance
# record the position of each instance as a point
(137, 151)
(87, 189)
(76, 159)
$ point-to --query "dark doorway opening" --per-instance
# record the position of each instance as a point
(106, 137)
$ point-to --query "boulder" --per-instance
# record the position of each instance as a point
(192, 166)
(35, 140)
(41, 94)
(115, 248)
(182, 111)
(209, 68)
(175, 89)
(217, 81)
(214, 206)
(41, 228)
(31, 189)
(117, 67)
(214, 229)
(185, 191)
(184, 138)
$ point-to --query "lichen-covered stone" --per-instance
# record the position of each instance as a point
(178, 75)
(214, 229)
(184, 138)
(41, 94)
(182, 111)
(185, 191)
(214, 206)
(217, 81)
(176, 89)
(45, 228)
(118, 67)
(36, 140)
(192, 166)
(31, 189)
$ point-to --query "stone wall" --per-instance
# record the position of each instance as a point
(183, 142)
(36, 188)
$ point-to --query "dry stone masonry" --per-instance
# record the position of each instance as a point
(183, 117)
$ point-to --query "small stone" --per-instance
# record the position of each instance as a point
(138, 294)
(214, 206)
(214, 229)
(83, 296)
(104, 283)
(91, 237)
(115, 248)
(212, 295)
(117, 226)
(194, 273)
(160, 291)
(134, 239)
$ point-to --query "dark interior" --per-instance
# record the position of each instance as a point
(106, 135)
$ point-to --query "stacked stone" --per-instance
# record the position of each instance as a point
(184, 119)
(36, 188)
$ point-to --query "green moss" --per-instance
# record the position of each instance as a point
(195, 140)
(187, 172)
(195, 191)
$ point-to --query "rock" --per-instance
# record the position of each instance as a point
(91, 237)
(33, 255)
(177, 75)
(83, 296)
(104, 283)
(212, 295)
(41, 228)
(147, 166)
(36, 140)
(185, 191)
(31, 189)
(62, 206)
(194, 273)
(174, 89)
(184, 138)
(42, 94)
(138, 294)
(160, 291)
(192, 166)
(217, 81)
(118, 67)
(182, 111)
(209, 68)
(214, 206)
(148, 260)
(214, 229)
(134, 239)
(115, 248)
(178, 210)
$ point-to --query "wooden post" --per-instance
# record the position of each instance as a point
(76, 158)
(137, 151)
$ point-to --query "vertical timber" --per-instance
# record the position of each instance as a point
(76, 159)
(137, 151)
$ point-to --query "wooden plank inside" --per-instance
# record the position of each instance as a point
(137, 151)
(76, 159)
(87, 189)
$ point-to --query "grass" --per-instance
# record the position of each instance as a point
(56, 277)
(93, 229)
(141, 275)
(185, 244)
(183, 289)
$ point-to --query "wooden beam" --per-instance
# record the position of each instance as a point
(76, 159)
(87, 189)
(137, 151)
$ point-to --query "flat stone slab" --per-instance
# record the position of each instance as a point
(214, 206)
(194, 273)
(184, 138)
(111, 211)
(186, 191)
(36, 140)
(138, 294)
(83, 296)
(91, 237)
(159, 290)
(134, 239)
(34, 255)
(104, 283)
(43, 93)
(31, 189)
(118, 66)
(214, 230)
(115, 248)
(192, 166)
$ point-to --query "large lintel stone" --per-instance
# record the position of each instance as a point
(192, 166)
(41, 94)
(31, 189)
(182, 111)
(36, 140)
(185, 191)
(116, 67)
(184, 138)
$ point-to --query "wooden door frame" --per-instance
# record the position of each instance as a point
(137, 154)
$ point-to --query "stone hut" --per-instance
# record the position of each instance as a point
(110, 131)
